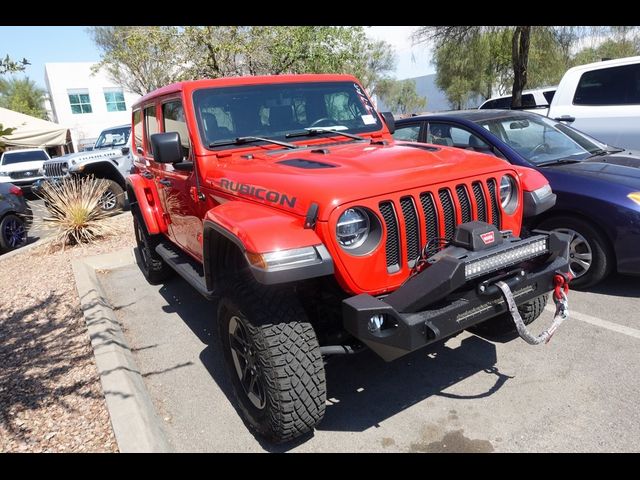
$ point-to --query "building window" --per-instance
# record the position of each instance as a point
(115, 100)
(79, 101)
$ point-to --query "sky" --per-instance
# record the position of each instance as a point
(42, 45)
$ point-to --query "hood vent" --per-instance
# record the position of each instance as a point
(306, 164)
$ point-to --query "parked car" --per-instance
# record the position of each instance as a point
(15, 217)
(110, 159)
(597, 185)
(602, 99)
(22, 167)
(536, 100)
(287, 198)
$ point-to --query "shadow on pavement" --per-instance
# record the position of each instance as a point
(618, 285)
(363, 390)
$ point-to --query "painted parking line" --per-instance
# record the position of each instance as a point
(598, 322)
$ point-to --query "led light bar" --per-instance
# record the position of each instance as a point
(505, 258)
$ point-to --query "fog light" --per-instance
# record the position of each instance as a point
(375, 323)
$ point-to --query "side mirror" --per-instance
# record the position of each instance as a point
(166, 147)
(389, 120)
(124, 150)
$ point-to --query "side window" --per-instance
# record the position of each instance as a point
(548, 95)
(137, 132)
(444, 134)
(173, 121)
(150, 127)
(407, 132)
(609, 86)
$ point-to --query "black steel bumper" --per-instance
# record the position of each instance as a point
(440, 301)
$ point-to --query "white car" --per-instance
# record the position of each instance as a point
(22, 167)
(602, 99)
(536, 101)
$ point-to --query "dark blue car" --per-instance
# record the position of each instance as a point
(598, 186)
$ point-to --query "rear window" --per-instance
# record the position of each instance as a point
(609, 86)
(19, 157)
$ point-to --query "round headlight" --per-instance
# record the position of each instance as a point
(352, 228)
(508, 194)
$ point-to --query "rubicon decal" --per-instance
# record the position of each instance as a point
(271, 196)
(488, 238)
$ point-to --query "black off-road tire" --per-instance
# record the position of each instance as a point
(116, 200)
(503, 324)
(151, 264)
(285, 353)
(8, 225)
(603, 258)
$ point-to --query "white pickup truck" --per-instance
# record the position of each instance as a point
(602, 99)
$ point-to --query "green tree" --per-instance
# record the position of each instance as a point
(140, 59)
(400, 96)
(144, 58)
(500, 55)
(24, 96)
(622, 42)
(7, 65)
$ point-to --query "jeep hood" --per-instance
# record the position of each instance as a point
(331, 175)
(101, 154)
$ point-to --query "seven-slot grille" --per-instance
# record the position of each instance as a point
(438, 213)
(55, 169)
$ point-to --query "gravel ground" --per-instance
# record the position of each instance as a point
(51, 399)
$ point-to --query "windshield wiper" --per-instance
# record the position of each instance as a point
(559, 161)
(243, 140)
(605, 152)
(311, 132)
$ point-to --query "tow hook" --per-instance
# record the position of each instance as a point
(560, 291)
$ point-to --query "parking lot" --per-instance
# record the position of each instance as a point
(578, 393)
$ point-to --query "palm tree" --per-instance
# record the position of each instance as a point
(23, 95)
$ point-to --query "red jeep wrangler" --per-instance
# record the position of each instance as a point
(287, 200)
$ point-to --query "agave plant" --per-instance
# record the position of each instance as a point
(74, 211)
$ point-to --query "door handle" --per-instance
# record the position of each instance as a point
(565, 118)
(147, 175)
(166, 182)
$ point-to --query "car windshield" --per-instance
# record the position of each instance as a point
(19, 157)
(273, 111)
(116, 137)
(541, 140)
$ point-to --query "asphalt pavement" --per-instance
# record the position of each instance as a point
(579, 393)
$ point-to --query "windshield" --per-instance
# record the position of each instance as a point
(541, 140)
(19, 157)
(115, 137)
(272, 111)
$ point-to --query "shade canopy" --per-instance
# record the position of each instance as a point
(31, 131)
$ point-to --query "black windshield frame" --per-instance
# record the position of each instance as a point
(210, 98)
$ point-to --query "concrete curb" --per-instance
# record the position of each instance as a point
(25, 249)
(133, 416)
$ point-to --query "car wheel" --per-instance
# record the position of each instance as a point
(590, 257)
(273, 360)
(13, 232)
(113, 198)
(153, 267)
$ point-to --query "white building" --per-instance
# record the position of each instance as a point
(86, 103)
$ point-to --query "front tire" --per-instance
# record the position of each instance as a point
(590, 258)
(113, 198)
(503, 323)
(153, 267)
(13, 232)
(273, 359)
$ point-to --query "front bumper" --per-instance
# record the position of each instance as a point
(440, 301)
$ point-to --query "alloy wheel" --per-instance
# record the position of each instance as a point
(580, 253)
(14, 233)
(246, 364)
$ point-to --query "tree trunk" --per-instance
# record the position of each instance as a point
(520, 60)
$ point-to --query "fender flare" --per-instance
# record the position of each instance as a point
(144, 198)
(257, 229)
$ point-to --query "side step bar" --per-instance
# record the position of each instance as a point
(188, 268)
